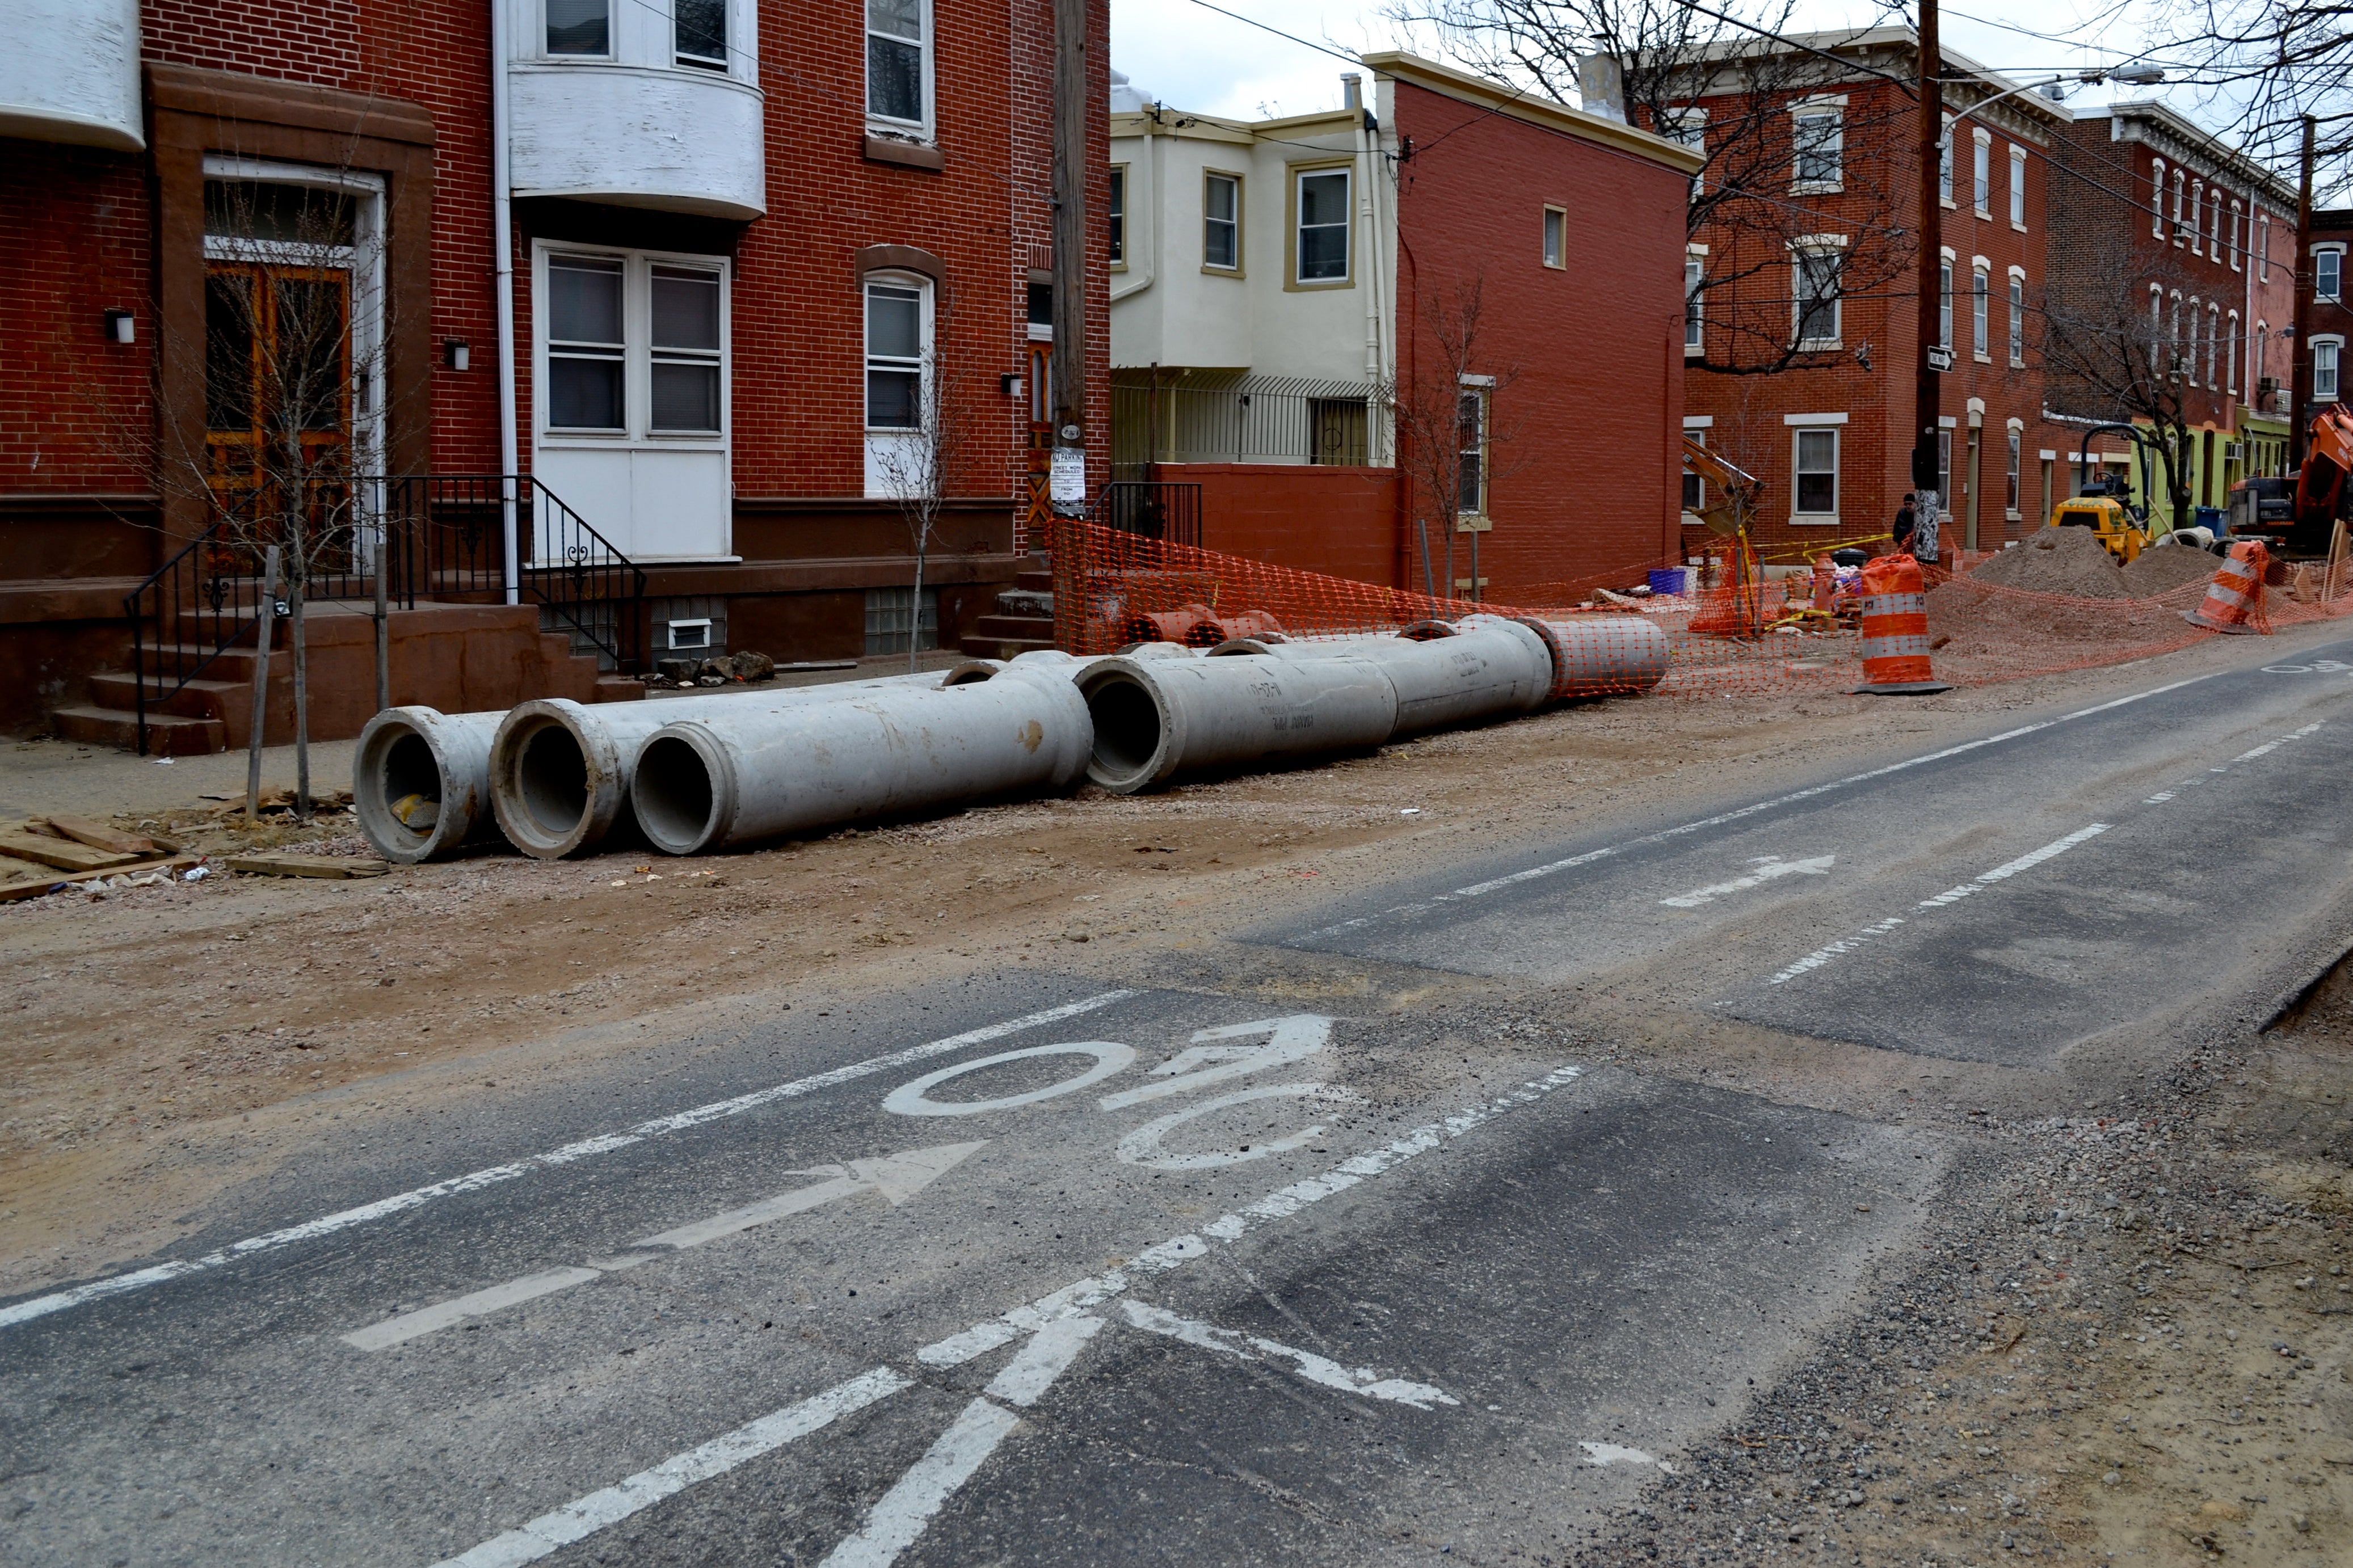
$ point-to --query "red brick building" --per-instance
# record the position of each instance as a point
(741, 241)
(2168, 240)
(1814, 282)
(1445, 315)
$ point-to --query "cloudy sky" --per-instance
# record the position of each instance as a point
(1189, 55)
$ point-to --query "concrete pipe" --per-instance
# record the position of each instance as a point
(1602, 656)
(560, 770)
(421, 783)
(1483, 668)
(761, 770)
(1155, 718)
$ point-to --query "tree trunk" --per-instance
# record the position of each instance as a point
(915, 610)
(295, 606)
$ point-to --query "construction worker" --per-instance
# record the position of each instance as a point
(1907, 524)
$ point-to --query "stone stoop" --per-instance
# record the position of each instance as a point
(459, 659)
(1023, 619)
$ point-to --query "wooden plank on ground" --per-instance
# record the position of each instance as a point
(63, 853)
(277, 863)
(99, 836)
(12, 891)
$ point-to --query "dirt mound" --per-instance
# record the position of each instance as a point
(2161, 570)
(2068, 561)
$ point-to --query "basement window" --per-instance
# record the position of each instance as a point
(689, 635)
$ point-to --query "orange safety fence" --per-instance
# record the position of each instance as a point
(2041, 607)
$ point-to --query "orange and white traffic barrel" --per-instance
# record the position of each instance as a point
(1895, 631)
(2235, 597)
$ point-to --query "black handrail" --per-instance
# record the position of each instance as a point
(444, 538)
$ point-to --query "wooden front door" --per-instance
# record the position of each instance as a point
(277, 402)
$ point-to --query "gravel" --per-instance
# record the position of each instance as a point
(2070, 561)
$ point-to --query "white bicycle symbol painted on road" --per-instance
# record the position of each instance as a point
(1208, 1059)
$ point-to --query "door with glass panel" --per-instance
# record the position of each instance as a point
(632, 408)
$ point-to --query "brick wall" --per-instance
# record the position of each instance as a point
(1587, 357)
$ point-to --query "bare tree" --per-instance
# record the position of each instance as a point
(2261, 66)
(2107, 354)
(918, 469)
(1456, 432)
(1725, 90)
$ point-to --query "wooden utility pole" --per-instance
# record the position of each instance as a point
(2300, 397)
(1926, 389)
(1069, 393)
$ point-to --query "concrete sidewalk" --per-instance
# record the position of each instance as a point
(44, 775)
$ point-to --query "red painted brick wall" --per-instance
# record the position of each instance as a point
(1315, 518)
(1751, 413)
(1592, 354)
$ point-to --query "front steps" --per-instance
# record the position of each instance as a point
(1022, 621)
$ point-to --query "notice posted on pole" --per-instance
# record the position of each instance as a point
(1070, 474)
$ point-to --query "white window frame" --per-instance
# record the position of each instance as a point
(2336, 253)
(2157, 208)
(1473, 389)
(1981, 171)
(2017, 317)
(2213, 345)
(1981, 310)
(2197, 217)
(1946, 264)
(2238, 234)
(2334, 343)
(2013, 475)
(2237, 349)
(724, 64)
(1694, 300)
(1687, 128)
(1798, 434)
(637, 351)
(1115, 218)
(1556, 237)
(364, 259)
(1830, 245)
(878, 439)
(2263, 247)
(2263, 356)
(2180, 205)
(925, 129)
(612, 35)
(1234, 268)
(1945, 164)
(1300, 176)
(2018, 188)
(1697, 435)
(1817, 109)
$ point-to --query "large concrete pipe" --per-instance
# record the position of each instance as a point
(1155, 718)
(421, 783)
(1602, 656)
(760, 769)
(560, 770)
(1485, 666)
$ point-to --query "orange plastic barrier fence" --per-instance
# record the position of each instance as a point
(1115, 588)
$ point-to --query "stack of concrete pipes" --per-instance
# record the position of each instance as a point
(690, 774)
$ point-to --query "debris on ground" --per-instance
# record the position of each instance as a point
(2162, 569)
(2068, 561)
(278, 863)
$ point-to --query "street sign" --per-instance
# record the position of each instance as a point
(1940, 357)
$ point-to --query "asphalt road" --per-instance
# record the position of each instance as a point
(1025, 1269)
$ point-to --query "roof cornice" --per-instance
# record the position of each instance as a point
(1504, 100)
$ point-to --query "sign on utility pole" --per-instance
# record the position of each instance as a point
(1071, 171)
(1926, 475)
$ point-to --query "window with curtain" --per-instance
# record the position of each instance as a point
(895, 329)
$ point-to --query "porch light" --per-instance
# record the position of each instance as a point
(456, 352)
(121, 327)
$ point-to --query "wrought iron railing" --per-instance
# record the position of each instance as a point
(444, 538)
(1166, 512)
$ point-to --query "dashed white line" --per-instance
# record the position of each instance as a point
(2025, 862)
(417, 1197)
(1057, 1325)
(1478, 889)
(1823, 955)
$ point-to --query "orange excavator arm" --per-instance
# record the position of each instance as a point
(2320, 484)
(1738, 488)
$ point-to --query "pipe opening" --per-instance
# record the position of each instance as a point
(408, 779)
(552, 781)
(672, 793)
(1127, 726)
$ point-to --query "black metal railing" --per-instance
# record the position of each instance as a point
(1164, 512)
(444, 538)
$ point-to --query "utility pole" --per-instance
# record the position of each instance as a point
(2300, 397)
(1068, 400)
(1926, 389)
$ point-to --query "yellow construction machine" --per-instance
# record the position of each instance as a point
(2104, 505)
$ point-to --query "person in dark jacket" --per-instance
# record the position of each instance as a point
(1907, 524)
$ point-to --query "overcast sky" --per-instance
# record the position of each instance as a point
(1190, 56)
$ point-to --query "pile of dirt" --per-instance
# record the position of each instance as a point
(2166, 567)
(2070, 561)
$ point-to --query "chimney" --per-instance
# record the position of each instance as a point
(1352, 90)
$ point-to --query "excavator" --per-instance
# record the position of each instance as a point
(2298, 515)
(1743, 611)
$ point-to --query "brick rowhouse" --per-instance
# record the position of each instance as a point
(2161, 232)
(748, 167)
(1831, 433)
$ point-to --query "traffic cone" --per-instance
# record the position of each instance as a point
(2235, 597)
(1895, 631)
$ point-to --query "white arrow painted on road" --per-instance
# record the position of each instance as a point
(1768, 867)
(897, 1177)
(1307, 1363)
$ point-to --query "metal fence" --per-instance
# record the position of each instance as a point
(1248, 419)
(1170, 512)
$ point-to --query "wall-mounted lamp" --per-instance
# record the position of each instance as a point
(1010, 386)
(456, 352)
(121, 327)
